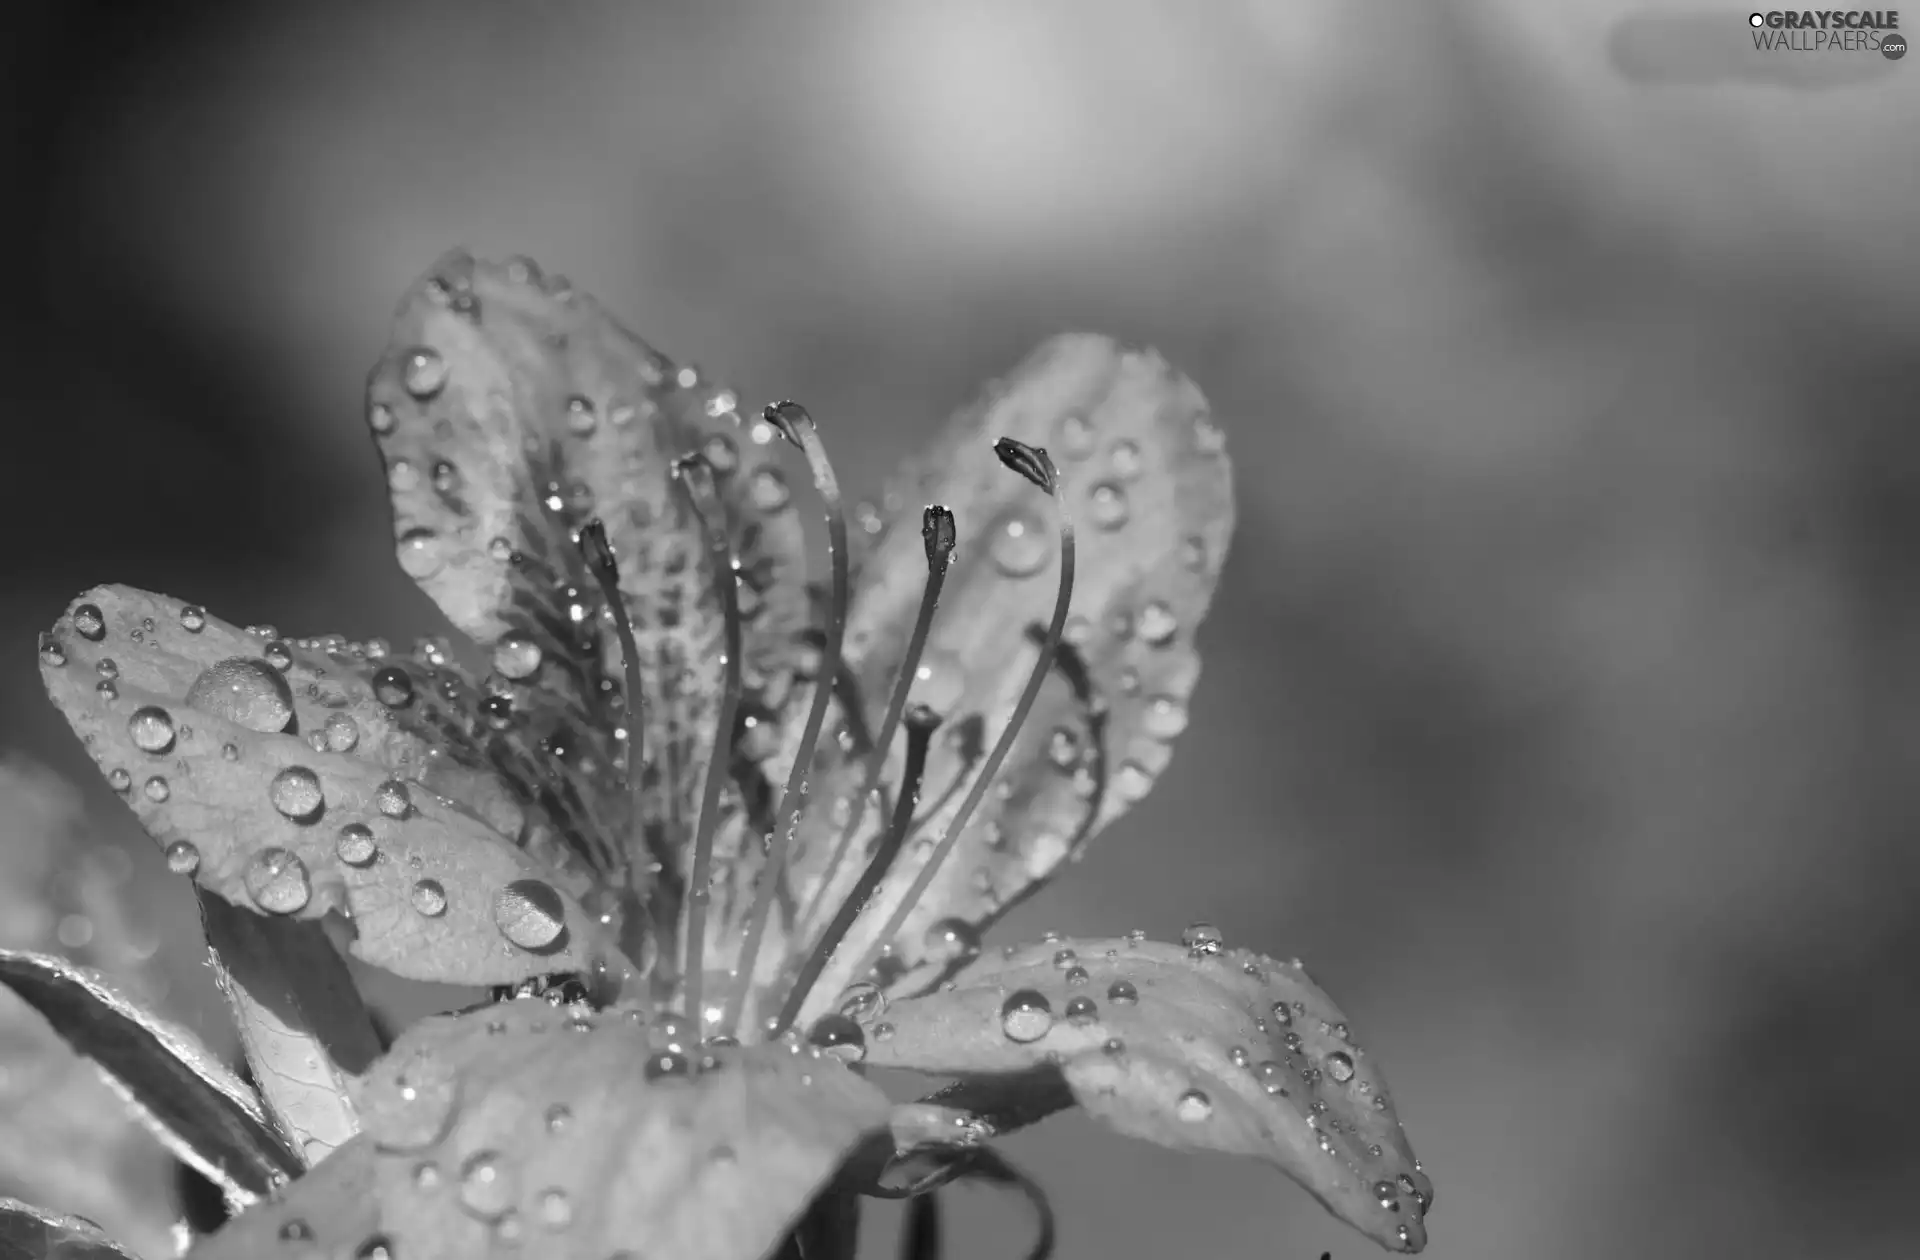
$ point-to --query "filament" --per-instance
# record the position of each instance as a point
(598, 553)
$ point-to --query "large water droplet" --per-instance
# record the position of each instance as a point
(1157, 624)
(487, 1186)
(90, 622)
(355, 844)
(277, 881)
(1340, 1066)
(1107, 505)
(339, 733)
(421, 555)
(1272, 1077)
(665, 1064)
(423, 373)
(52, 654)
(1026, 1016)
(952, 941)
(429, 897)
(1202, 939)
(246, 691)
(295, 792)
(1020, 547)
(182, 857)
(1082, 1010)
(1282, 1015)
(193, 618)
(840, 1036)
(391, 799)
(1193, 1106)
(1122, 993)
(151, 729)
(529, 913)
(393, 686)
(156, 789)
(516, 656)
(119, 780)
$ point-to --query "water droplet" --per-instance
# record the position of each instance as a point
(1063, 748)
(426, 1176)
(1131, 781)
(230, 751)
(581, 417)
(529, 913)
(1125, 460)
(1020, 547)
(420, 553)
(296, 1230)
(1340, 1066)
(516, 656)
(119, 780)
(665, 1063)
(378, 1247)
(1193, 1106)
(90, 622)
(1074, 436)
(278, 655)
(1207, 437)
(487, 1186)
(402, 476)
(1202, 939)
(1064, 958)
(556, 1210)
(1165, 718)
(1387, 1193)
(862, 1000)
(391, 799)
(1272, 1077)
(151, 729)
(182, 857)
(245, 691)
(1122, 993)
(380, 419)
(1082, 1010)
(52, 654)
(1026, 1016)
(156, 789)
(1239, 1057)
(1107, 505)
(839, 1036)
(339, 733)
(1157, 624)
(952, 941)
(767, 488)
(1281, 1015)
(423, 373)
(277, 881)
(355, 844)
(429, 897)
(558, 1117)
(295, 792)
(393, 686)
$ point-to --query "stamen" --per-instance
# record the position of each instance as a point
(793, 422)
(1033, 463)
(598, 553)
(937, 531)
(695, 476)
(921, 723)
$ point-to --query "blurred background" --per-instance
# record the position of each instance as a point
(1562, 702)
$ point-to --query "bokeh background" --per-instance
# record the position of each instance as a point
(1562, 703)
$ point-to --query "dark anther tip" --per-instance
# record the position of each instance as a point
(922, 719)
(595, 547)
(1031, 462)
(937, 530)
(787, 417)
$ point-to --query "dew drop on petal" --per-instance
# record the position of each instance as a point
(1193, 1106)
(355, 844)
(951, 941)
(840, 1036)
(862, 1000)
(119, 780)
(1082, 1010)
(52, 654)
(245, 691)
(423, 373)
(1272, 1077)
(420, 552)
(90, 622)
(295, 792)
(516, 656)
(1131, 781)
(339, 733)
(380, 419)
(1107, 505)
(1156, 624)
(1340, 1066)
(665, 1064)
(429, 897)
(1020, 547)
(1202, 939)
(1122, 993)
(529, 913)
(156, 789)
(151, 729)
(393, 686)
(1281, 1015)
(182, 857)
(296, 1230)
(277, 881)
(392, 799)
(1165, 718)
(487, 1186)
(1026, 1016)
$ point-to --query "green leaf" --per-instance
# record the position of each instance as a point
(1200, 1048)
(518, 1129)
(510, 410)
(239, 775)
(1150, 489)
(204, 1114)
(29, 1233)
(307, 1035)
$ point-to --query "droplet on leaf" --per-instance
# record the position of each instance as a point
(1123, 993)
(277, 881)
(295, 792)
(1340, 1066)
(340, 733)
(1193, 1106)
(156, 789)
(391, 798)
(1202, 940)
(151, 729)
(393, 687)
(423, 373)
(486, 1188)
(1026, 1016)
(182, 857)
(245, 691)
(429, 897)
(90, 622)
(529, 913)
(193, 618)
(516, 656)
(355, 844)
(839, 1036)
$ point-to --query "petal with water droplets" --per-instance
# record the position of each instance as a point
(258, 814)
(510, 411)
(31, 1233)
(1148, 484)
(516, 1129)
(1198, 1049)
(204, 1114)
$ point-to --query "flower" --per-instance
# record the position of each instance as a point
(659, 801)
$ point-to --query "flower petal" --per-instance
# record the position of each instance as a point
(510, 411)
(516, 1130)
(1198, 1048)
(240, 770)
(198, 1109)
(31, 1233)
(1151, 494)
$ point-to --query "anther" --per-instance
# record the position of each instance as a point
(793, 423)
(695, 475)
(921, 722)
(1032, 463)
(598, 553)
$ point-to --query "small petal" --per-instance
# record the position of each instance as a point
(31, 1233)
(1198, 1049)
(515, 1130)
(212, 744)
